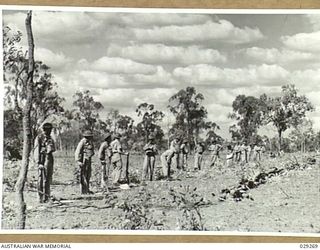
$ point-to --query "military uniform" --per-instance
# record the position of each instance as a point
(166, 160)
(175, 146)
(116, 159)
(257, 153)
(237, 152)
(198, 156)
(244, 153)
(229, 156)
(184, 151)
(83, 155)
(215, 151)
(151, 151)
(104, 155)
(43, 148)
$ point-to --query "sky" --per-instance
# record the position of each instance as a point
(125, 59)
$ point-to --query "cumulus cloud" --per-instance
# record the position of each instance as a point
(273, 55)
(51, 59)
(121, 65)
(204, 74)
(306, 80)
(160, 53)
(303, 41)
(209, 31)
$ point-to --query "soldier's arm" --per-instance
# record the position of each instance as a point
(36, 151)
(101, 153)
(79, 152)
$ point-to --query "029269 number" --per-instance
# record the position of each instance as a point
(309, 245)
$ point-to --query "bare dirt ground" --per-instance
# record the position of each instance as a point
(288, 201)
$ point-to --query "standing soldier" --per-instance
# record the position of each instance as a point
(105, 159)
(215, 151)
(175, 147)
(83, 155)
(43, 148)
(198, 156)
(257, 152)
(116, 159)
(237, 152)
(229, 156)
(184, 151)
(166, 160)
(151, 151)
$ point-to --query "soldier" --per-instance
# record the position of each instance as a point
(151, 151)
(244, 153)
(184, 151)
(229, 156)
(43, 148)
(105, 159)
(116, 159)
(166, 160)
(237, 152)
(83, 155)
(199, 149)
(175, 147)
(215, 149)
(257, 152)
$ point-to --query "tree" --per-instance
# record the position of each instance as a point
(87, 110)
(247, 111)
(303, 135)
(27, 138)
(189, 114)
(149, 119)
(285, 111)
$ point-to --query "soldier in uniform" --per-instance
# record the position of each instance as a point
(43, 148)
(105, 159)
(175, 146)
(237, 152)
(198, 156)
(83, 155)
(229, 156)
(184, 151)
(116, 159)
(151, 151)
(215, 149)
(256, 152)
(244, 152)
(166, 160)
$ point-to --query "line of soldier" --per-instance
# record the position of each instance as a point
(110, 154)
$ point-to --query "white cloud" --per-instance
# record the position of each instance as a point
(51, 59)
(303, 41)
(162, 19)
(204, 74)
(160, 53)
(210, 31)
(283, 56)
(306, 80)
(121, 65)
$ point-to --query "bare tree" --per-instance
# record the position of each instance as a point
(27, 136)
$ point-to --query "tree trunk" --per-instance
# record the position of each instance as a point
(27, 135)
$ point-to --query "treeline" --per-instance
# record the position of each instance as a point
(286, 111)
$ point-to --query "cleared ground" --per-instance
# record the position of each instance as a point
(285, 202)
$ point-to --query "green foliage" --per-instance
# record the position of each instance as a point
(189, 203)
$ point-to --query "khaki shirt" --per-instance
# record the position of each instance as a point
(105, 152)
(116, 150)
(150, 149)
(43, 145)
(174, 145)
(168, 155)
(85, 150)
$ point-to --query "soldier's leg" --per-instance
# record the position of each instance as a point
(145, 168)
(200, 161)
(48, 177)
(178, 160)
(40, 185)
(88, 175)
(103, 175)
(117, 167)
(151, 164)
(164, 166)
